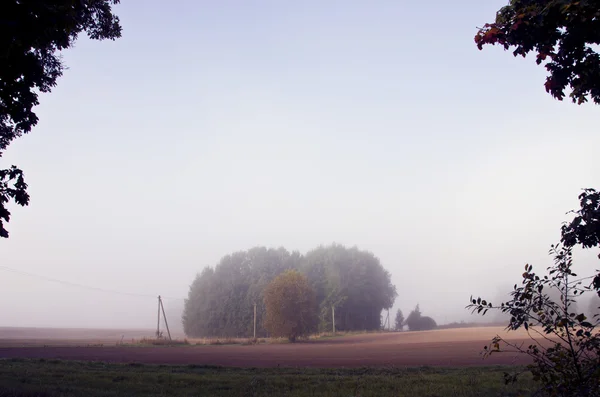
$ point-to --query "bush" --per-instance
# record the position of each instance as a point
(417, 322)
(163, 342)
(566, 350)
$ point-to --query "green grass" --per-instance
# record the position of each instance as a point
(51, 378)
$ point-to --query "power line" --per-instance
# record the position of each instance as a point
(77, 285)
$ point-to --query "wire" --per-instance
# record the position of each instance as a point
(70, 284)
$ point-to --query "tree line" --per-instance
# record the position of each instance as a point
(221, 300)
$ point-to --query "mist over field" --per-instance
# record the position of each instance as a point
(290, 125)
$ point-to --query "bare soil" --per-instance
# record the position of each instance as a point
(29, 337)
(454, 347)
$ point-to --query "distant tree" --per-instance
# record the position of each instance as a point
(200, 310)
(565, 33)
(32, 35)
(427, 323)
(417, 322)
(555, 294)
(413, 317)
(290, 306)
(399, 320)
(221, 300)
(354, 282)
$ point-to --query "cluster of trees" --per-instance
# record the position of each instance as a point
(221, 299)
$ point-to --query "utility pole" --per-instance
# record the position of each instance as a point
(158, 322)
(333, 317)
(386, 323)
(254, 320)
(164, 316)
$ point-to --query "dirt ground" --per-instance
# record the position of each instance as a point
(22, 337)
(455, 347)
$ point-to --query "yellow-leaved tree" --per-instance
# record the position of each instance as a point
(291, 306)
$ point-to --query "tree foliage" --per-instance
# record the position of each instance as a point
(290, 306)
(594, 306)
(354, 282)
(12, 186)
(32, 35)
(220, 301)
(563, 33)
(584, 229)
(566, 351)
(417, 322)
(566, 347)
(399, 323)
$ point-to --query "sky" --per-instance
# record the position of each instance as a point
(212, 127)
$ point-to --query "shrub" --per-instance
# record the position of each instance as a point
(417, 322)
(566, 350)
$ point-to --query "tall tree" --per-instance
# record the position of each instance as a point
(563, 33)
(354, 282)
(399, 320)
(291, 305)
(199, 311)
(32, 35)
(221, 300)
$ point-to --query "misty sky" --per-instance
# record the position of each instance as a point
(212, 127)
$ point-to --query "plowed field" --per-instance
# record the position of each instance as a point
(457, 347)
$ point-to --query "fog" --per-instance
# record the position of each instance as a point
(211, 128)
